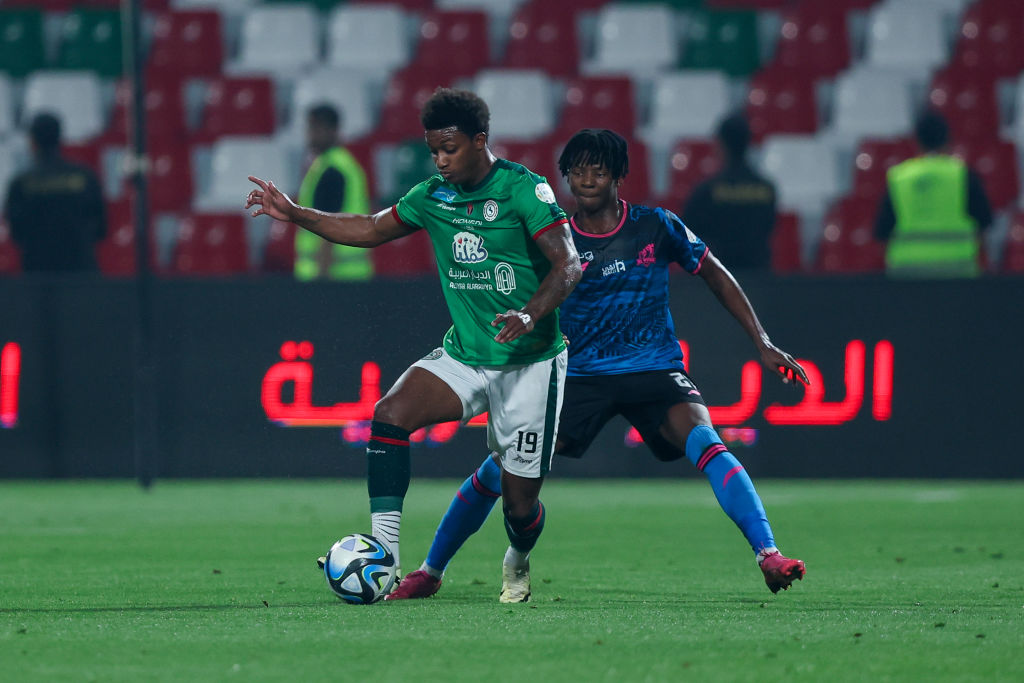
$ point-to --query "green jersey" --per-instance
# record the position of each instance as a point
(483, 239)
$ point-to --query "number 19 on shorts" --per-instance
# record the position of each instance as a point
(527, 442)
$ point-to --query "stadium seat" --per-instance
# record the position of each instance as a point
(543, 36)
(686, 104)
(847, 243)
(187, 43)
(967, 99)
(638, 40)
(873, 160)
(690, 163)
(521, 102)
(115, 255)
(454, 41)
(636, 187)
(906, 36)
(373, 38)
(230, 10)
(6, 106)
(236, 106)
(1013, 249)
(211, 244)
(279, 249)
(10, 255)
(724, 40)
(165, 111)
(87, 153)
(91, 39)
(781, 101)
(996, 162)
(871, 103)
(170, 184)
(598, 102)
(786, 244)
(22, 43)
(814, 37)
(346, 89)
(232, 160)
(74, 96)
(410, 256)
(280, 40)
(411, 164)
(539, 156)
(804, 170)
(404, 96)
(991, 38)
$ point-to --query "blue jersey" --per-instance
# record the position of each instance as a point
(617, 319)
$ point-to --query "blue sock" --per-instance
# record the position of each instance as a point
(466, 514)
(731, 484)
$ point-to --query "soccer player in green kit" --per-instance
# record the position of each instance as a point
(506, 261)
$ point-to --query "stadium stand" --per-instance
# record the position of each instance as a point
(638, 40)
(211, 244)
(521, 102)
(74, 96)
(10, 257)
(187, 43)
(544, 36)
(22, 45)
(847, 243)
(373, 38)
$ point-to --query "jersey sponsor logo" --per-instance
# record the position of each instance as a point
(446, 207)
(466, 221)
(646, 256)
(444, 194)
(689, 235)
(468, 248)
(490, 210)
(544, 193)
(585, 258)
(505, 278)
(616, 266)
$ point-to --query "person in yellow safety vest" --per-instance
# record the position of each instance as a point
(334, 183)
(933, 211)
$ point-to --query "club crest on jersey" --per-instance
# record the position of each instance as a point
(444, 194)
(504, 278)
(490, 210)
(468, 248)
(646, 256)
(544, 193)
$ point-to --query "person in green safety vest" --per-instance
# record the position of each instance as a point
(933, 211)
(334, 183)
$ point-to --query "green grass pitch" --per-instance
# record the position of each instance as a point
(632, 581)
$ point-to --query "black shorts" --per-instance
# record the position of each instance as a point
(643, 398)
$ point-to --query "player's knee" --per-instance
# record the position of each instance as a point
(524, 518)
(663, 449)
(389, 411)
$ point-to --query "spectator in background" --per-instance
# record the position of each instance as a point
(55, 207)
(933, 210)
(334, 183)
(735, 208)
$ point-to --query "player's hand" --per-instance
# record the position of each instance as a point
(516, 324)
(783, 365)
(272, 201)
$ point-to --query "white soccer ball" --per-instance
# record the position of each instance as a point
(360, 569)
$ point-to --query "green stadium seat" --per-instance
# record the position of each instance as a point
(91, 39)
(21, 41)
(725, 40)
(412, 164)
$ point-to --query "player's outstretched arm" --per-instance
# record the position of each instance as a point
(729, 293)
(557, 246)
(352, 229)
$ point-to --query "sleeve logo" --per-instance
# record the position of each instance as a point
(544, 193)
(490, 210)
(468, 248)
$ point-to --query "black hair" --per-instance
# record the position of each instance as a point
(734, 135)
(326, 114)
(931, 130)
(45, 132)
(464, 110)
(598, 146)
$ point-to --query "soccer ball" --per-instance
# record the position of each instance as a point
(360, 569)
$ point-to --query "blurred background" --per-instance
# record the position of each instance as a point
(830, 89)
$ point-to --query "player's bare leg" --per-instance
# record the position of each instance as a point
(524, 521)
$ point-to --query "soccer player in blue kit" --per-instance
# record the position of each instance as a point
(624, 358)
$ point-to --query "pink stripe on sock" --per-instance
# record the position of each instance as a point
(481, 489)
(458, 494)
(731, 472)
(711, 452)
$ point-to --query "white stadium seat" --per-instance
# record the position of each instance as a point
(634, 39)
(348, 90)
(6, 106)
(232, 160)
(805, 170)
(908, 35)
(871, 103)
(371, 37)
(521, 101)
(76, 97)
(279, 40)
(686, 104)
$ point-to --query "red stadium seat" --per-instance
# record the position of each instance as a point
(85, 153)
(781, 101)
(848, 244)
(453, 41)
(814, 36)
(165, 112)
(279, 251)
(786, 244)
(187, 43)
(543, 36)
(170, 177)
(116, 253)
(1013, 250)
(996, 162)
(691, 162)
(211, 244)
(404, 96)
(636, 188)
(363, 151)
(237, 106)
(992, 38)
(410, 256)
(541, 157)
(873, 160)
(967, 99)
(10, 255)
(598, 102)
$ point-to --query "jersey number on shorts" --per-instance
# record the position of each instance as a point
(530, 439)
(681, 380)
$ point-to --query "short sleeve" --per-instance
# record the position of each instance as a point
(539, 208)
(681, 244)
(409, 209)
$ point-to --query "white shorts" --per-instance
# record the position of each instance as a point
(524, 402)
